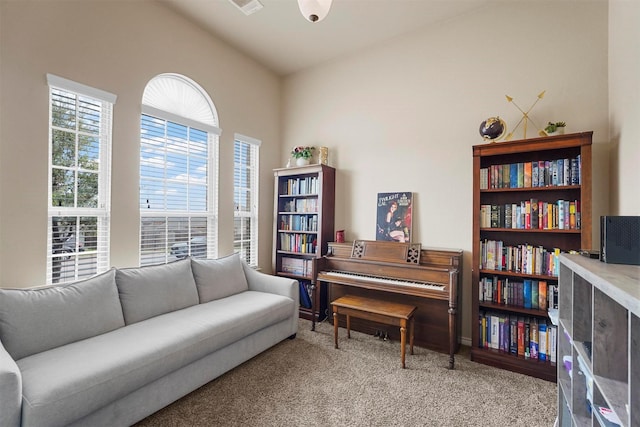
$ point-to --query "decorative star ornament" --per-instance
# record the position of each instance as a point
(525, 117)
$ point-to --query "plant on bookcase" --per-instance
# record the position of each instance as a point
(532, 201)
(302, 155)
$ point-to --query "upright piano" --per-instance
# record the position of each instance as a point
(401, 272)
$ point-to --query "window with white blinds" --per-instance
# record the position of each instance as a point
(80, 122)
(178, 172)
(245, 183)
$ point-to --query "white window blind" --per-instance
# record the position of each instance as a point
(245, 183)
(80, 122)
(178, 171)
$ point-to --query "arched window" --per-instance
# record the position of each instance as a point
(179, 136)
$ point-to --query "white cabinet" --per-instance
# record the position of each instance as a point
(598, 342)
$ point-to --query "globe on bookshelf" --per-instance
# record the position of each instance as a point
(493, 128)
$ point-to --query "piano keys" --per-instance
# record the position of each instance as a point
(428, 280)
(387, 281)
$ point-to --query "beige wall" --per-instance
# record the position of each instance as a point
(403, 116)
(624, 106)
(117, 47)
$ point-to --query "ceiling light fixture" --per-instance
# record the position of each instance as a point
(314, 10)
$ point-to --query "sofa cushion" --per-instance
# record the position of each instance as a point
(35, 320)
(219, 278)
(157, 289)
(69, 382)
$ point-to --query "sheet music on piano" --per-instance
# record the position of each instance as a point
(393, 271)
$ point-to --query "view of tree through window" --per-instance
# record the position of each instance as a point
(78, 211)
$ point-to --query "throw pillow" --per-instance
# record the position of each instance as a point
(36, 320)
(219, 278)
(157, 289)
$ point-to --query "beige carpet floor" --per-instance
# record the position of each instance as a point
(307, 382)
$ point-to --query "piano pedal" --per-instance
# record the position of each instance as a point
(386, 337)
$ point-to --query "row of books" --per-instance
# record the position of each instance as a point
(532, 214)
(305, 293)
(526, 293)
(528, 337)
(299, 222)
(298, 242)
(524, 258)
(298, 266)
(300, 206)
(541, 173)
(302, 186)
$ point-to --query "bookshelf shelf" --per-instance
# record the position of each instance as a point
(598, 312)
(304, 199)
(531, 202)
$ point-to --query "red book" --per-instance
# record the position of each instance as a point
(520, 336)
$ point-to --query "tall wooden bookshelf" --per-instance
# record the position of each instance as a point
(303, 217)
(515, 256)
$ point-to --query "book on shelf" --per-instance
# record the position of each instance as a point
(495, 334)
(542, 341)
(526, 293)
(533, 340)
(520, 336)
(552, 345)
(513, 335)
(305, 296)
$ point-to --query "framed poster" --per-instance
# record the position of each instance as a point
(393, 218)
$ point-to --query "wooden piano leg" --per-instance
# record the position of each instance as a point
(348, 326)
(411, 327)
(403, 341)
(452, 336)
(335, 326)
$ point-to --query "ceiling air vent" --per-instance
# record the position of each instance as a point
(247, 6)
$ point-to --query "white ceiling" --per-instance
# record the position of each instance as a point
(280, 38)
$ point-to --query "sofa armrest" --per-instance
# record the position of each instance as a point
(10, 390)
(262, 282)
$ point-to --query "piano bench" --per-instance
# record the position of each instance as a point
(389, 313)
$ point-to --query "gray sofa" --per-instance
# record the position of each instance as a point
(113, 349)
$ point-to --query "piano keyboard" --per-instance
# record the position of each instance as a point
(386, 280)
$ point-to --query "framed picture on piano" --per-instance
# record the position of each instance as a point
(393, 216)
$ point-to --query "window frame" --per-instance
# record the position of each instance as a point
(254, 190)
(58, 263)
(160, 95)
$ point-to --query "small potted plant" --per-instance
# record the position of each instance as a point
(556, 128)
(302, 154)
